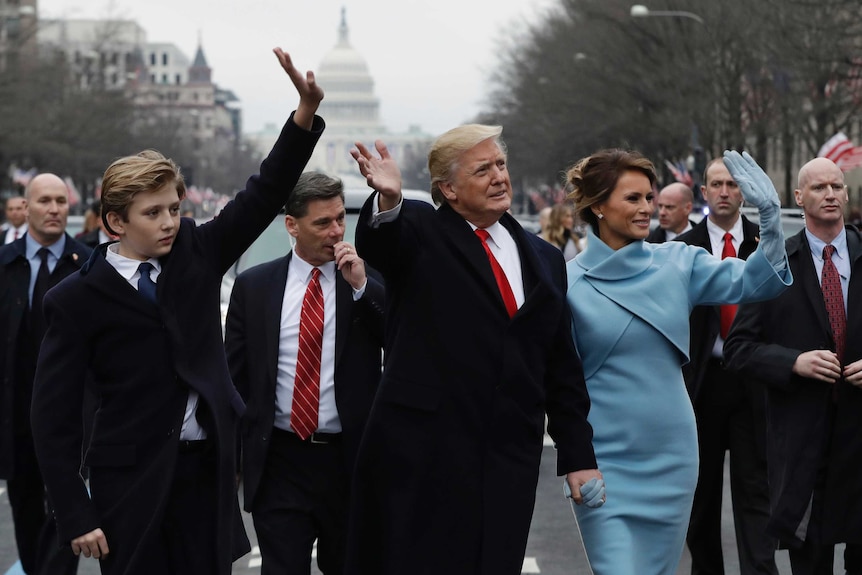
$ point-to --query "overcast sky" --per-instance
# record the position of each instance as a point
(430, 59)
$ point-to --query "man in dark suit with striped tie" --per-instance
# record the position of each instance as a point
(304, 341)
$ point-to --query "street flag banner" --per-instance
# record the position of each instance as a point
(74, 194)
(680, 173)
(841, 150)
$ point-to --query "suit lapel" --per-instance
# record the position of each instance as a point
(532, 267)
(272, 304)
(810, 281)
(468, 248)
(103, 278)
(750, 238)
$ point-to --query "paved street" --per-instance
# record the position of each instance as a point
(554, 547)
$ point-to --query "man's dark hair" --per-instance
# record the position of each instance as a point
(312, 186)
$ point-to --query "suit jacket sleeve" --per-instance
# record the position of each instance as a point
(747, 351)
(370, 307)
(57, 420)
(245, 217)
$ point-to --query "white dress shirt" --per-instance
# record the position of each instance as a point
(128, 270)
(716, 239)
(298, 276)
(13, 233)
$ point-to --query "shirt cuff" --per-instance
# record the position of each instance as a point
(358, 293)
(378, 217)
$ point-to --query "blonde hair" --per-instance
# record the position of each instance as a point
(448, 148)
(145, 172)
(556, 233)
(594, 178)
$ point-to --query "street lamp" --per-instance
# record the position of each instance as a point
(641, 11)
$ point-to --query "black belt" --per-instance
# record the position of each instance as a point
(193, 445)
(317, 438)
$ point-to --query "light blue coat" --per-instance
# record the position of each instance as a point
(631, 326)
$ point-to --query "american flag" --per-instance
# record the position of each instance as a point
(841, 150)
(680, 173)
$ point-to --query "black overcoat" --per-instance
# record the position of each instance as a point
(448, 467)
(810, 425)
(17, 387)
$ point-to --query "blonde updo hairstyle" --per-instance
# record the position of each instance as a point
(593, 178)
(448, 148)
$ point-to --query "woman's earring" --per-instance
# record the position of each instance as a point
(600, 216)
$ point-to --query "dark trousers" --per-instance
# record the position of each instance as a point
(188, 542)
(816, 559)
(35, 531)
(728, 419)
(303, 496)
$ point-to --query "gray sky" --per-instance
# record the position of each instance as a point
(430, 59)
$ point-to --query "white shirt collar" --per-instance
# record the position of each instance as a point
(303, 269)
(127, 267)
(716, 233)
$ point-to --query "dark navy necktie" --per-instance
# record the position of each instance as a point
(43, 279)
(146, 285)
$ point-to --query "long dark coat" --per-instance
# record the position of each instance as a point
(448, 467)
(144, 359)
(17, 388)
(810, 425)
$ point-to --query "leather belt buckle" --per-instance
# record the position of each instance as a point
(323, 438)
(319, 438)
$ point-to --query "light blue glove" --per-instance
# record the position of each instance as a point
(592, 492)
(757, 189)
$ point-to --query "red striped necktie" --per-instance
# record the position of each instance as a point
(306, 386)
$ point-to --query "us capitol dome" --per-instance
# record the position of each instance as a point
(350, 104)
(352, 113)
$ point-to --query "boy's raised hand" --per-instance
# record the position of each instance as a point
(310, 94)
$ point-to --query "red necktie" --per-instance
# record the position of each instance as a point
(830, 283)
(306, 386)
(15, 235)
(728, 311)
(499, 275)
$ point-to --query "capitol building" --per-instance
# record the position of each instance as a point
(352, 113)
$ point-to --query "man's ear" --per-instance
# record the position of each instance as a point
(447, 191)
(290, 225)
